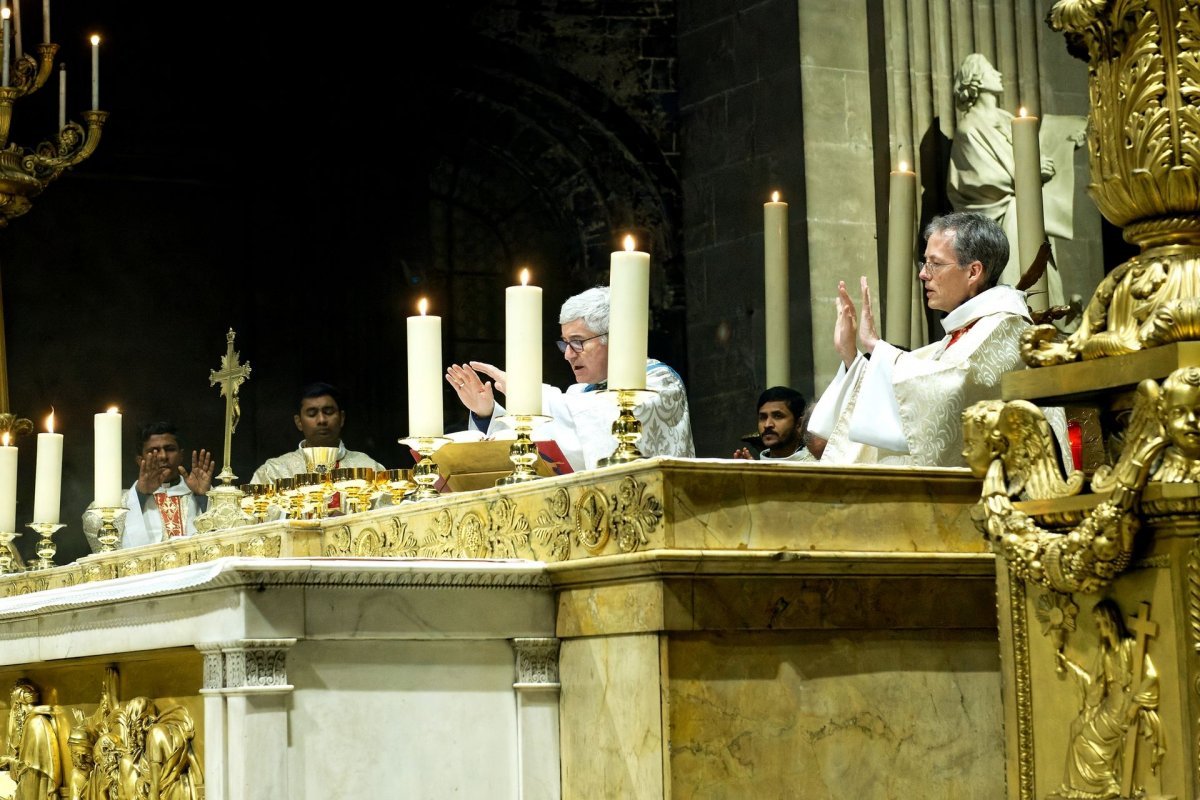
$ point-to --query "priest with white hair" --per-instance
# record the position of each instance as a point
(582, 417)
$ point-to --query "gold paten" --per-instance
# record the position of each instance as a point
(121, 751)
(1144, 153)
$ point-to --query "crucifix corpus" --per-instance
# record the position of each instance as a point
(230, 377)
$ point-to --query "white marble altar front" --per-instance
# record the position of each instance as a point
(322, 678)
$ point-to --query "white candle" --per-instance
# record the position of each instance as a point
(62, 96)
(1027, 184)
(47, 482)
(46, 21)
(8, 486)
(16, 7)
(424, 374)
(108, 459)
(6, 24)
(629, 316)
(95, 72)
(902, 220)
(775, 283)
(522, 347)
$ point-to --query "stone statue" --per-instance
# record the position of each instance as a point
(981, 163)
(1120, 695)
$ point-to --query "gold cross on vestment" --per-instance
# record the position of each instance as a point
(230, 376)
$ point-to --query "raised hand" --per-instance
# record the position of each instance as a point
(152, 472)
(868, 335)
(199, 480)
(473, 393)
(845, 327)
(743, 453)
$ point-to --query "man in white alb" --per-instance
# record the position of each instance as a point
(891, 406)
(582, 418)
(166, 498)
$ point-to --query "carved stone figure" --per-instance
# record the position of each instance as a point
(1119, 698)
(981, 163)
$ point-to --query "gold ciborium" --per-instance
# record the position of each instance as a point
(320, 460)
(355, 483)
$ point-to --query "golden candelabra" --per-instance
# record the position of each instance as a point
(25, 173)
(523, 453)
(46, 548)
(425, 474)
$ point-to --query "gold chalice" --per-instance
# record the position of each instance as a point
(315, 491)
(291, 498)
(356, 484)
(396, 482)
(320, 460)
(256, 499)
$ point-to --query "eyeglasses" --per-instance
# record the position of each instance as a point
(933, 268)
(576, 344)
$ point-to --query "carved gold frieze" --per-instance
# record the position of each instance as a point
(121, 751)
(1144, 153)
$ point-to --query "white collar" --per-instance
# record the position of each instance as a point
(996, 300)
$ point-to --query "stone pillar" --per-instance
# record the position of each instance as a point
(537, 689)
(245, 708)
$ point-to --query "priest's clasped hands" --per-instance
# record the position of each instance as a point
(849, 335)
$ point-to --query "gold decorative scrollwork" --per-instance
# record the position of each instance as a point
(553, 525)
(634, 514)
(1098, 549)
(505, 534)
(398, 540)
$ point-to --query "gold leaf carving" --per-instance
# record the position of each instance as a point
(635, 515)
(592, 520)
(553, 525)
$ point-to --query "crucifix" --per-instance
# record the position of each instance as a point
(1142, 629)
(230, 376)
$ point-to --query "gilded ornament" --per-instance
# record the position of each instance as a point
(1056, 612)
(553, 525)
(1087, 558)
(592, 520)
(1144, 154)
(635, 514)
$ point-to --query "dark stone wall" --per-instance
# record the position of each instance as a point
(304, 179)
(741, 132)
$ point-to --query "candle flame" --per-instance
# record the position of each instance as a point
(50, 422)
(629, 244)
(904, 166)
(1021, 112)
(422, 306)
(774, 197)
(5, 12)
(524, 277)
(4, 438)
(112, 410)
(95, 39)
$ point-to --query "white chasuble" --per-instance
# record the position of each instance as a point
(581, 420)
(906, 408)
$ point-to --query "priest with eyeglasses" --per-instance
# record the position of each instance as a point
(582, 417)
(888, 406)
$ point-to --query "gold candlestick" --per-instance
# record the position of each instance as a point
(627, 428)
(45, 546)
(523, 452)
(111, 527)
(425, 473)
(7, 566)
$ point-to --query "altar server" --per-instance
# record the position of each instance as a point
(582, 417)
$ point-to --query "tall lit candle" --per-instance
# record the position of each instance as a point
(6, 34)
(522, 347)
(62, 96)
(8, 486)
(46, 21)
(629, 317)
(1027, 184)
(16, 11)
(47, 477)
(775, 285)
(95, 72)
(108, 459)
(902, 220)
(424, 373)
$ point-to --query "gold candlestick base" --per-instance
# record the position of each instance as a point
(9, 561)
(425, 473)
(627, 428)
(111, 527)
(523, 452)
(224, 509)
(45, 546)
